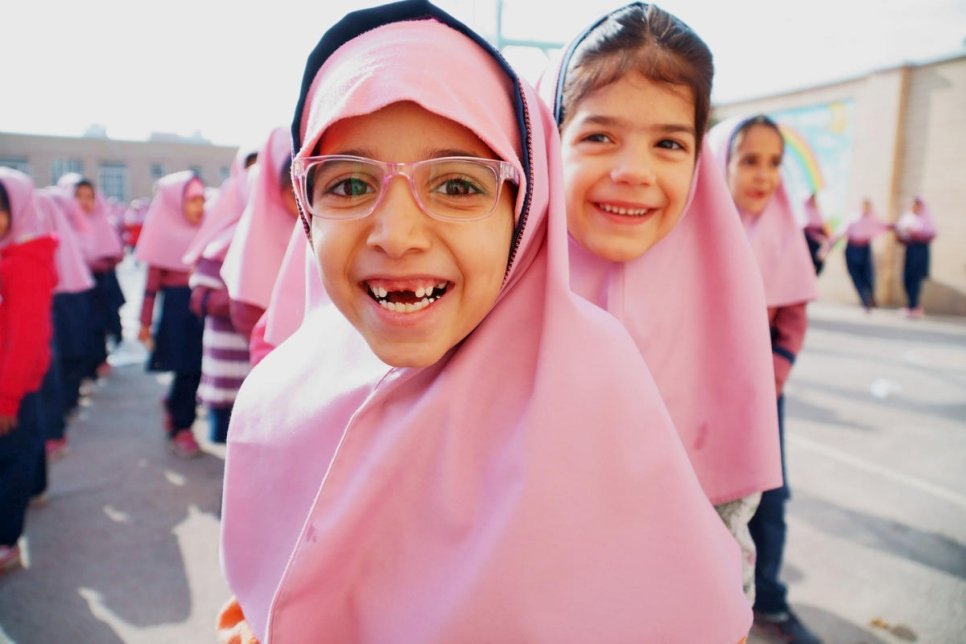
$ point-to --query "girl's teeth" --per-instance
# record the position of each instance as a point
(411, 307)
(634, 212)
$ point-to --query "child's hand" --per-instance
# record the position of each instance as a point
(144, 335)
(7, 424)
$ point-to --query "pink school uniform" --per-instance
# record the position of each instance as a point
(526, 487)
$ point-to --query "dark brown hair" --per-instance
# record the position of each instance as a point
(758, 119)
(645, 39)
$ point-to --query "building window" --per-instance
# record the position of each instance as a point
(60, 167)
(197, 170)
(113, 180)
(157, 171)
(17, 163)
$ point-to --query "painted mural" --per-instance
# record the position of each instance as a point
(818, 153)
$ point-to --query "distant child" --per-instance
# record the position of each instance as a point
(104, 250)
(816, 233)
(750, 152)
(453, 446)
(225, 359)
(915, 230)
(27, 279)
(256, 250)
(172, 221)
(859, 234)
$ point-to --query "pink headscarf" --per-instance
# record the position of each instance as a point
(99, 238)
(223, 213)
(167, 233)
(693, 304)
(527, 487)
(813, 216)
(287, 306)
(25, 223)
(73, 274)
(917, 227)
(251, 264)
(776, 238)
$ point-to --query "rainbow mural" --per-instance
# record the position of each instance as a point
(798, 150)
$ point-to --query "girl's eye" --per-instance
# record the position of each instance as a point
(597, 137)
(669, 144)
(349, 187)
(458, 187)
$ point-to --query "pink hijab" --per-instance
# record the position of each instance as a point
(166, 233)
(917, 227)
(864, 227)
(73, 274)
(813, 217)
(287, 306)
(251, 264)
(25, 222)
(223, 213)
(527, 487)
(775, 236)
(693, 304)
(99, 238)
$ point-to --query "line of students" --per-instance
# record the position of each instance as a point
(481, 427)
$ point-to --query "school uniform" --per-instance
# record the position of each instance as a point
(915, 231)
(859, 259)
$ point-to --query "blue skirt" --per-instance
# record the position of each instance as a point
(73, 326)
(177, 340)
(108, 300)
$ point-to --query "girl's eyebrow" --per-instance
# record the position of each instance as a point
(437, 153)
(664, 128)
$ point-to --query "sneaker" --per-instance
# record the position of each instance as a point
(39, 501)
(183, 444)
(56, 448)
(103, 370)
(9, 557)
(783, 627)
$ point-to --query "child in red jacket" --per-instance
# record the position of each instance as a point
(27, 279)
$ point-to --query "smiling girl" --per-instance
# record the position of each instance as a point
(655, 240)
(455, 447)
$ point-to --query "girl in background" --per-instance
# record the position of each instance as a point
(174, 215)
(750, 152)
(103, 249)
(915, 230)
(225, 359)
(455, 445)
(655, 240)
(256, 251)
(27, 279)
(859, 235)
(816, 233)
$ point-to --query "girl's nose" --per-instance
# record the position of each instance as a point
(633, 169)
(398, 224)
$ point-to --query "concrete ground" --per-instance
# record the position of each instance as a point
(127, 548)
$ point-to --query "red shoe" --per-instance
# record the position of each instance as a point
(56, 448)
(184, 445)
(103, 370)
(9, 557)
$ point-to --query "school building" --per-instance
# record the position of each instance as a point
(887, 136)
(124, 170)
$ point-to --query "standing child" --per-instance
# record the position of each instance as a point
(816, 233)
(455, 447)
(654, 240)
(750, 152)
(103, 248)
(916, 230)
(27, 279)
(859, 234)
(172, 221)
(256, 251)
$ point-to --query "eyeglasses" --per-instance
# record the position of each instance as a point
(343, 187)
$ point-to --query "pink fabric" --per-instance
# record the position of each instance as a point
(527, 487)
(167, 233)
(223, 213)
(865, 227)
(813, 216)
(917, 227)
(775, 236)
(25, 222)
(256, 251)
(100, 238)
(73, 275)
(287, 306)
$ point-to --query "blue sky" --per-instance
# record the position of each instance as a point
(232, 71)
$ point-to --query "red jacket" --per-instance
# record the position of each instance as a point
(27, 280)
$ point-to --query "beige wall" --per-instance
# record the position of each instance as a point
(910, 126)
(40, 152)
